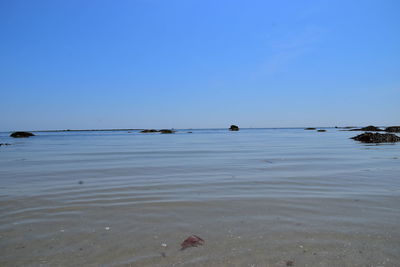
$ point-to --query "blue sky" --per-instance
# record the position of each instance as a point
(198, 63)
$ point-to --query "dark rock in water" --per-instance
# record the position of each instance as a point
(163, 131)
(310, 128)
(5, 144)
(166, 131)
(21, 134)
(321, 130)
(346, 127)
(234, 128)
(368, 128)
(149, 131)
(376, 138)
(189, 132)
(393, 129)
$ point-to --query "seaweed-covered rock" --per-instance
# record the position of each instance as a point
(167, 131)
(393, 129)
(376, 138)
(149, 131)
(234, 128)
(310, 128)
(192, 241)
(21, 134)
(368, 128)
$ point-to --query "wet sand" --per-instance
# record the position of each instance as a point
(255, 200)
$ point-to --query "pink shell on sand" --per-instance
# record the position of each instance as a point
(192, 241)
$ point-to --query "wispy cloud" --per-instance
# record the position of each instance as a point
(286, 47)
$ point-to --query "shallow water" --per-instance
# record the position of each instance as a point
(259, 197)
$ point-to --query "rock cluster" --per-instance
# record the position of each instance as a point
(163, 131)
(166, 131)
(149, 131)
(370, 128)
(376, 138)
(393, 129)
(21, 134)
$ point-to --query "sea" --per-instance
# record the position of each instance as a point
(257, 197)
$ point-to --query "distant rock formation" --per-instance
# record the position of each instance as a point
(163, 131)
(376, 138)
(167, 131)
(345, 127)
(21, 134)
(234, 128)
(368, 128)
(393, 129)
(149, 131)
(310, 128)
(321, 130)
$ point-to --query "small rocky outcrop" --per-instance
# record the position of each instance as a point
(393, 129)
(376, 138)
(310, 128)
(149, 131)
(368, 128)
(234, 128)
(5, 144)
(321, 130)
(167, 131)
(346, 127)
(21, 134)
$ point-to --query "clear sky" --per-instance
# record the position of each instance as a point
(198, 63)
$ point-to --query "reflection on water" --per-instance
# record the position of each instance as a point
(257, 196)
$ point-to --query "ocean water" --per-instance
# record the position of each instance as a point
(258, 197)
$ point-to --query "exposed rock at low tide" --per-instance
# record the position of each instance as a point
(346, 127)
(163, 131)
(321, 130)
(310, 128)
(167, 131)
(376, 138)
(368, 128)
(149, 131)
(5, 144)
(234, 128)
(21, 134)
(393, 129)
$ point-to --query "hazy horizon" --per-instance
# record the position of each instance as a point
(195, 128)
(198, 64)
